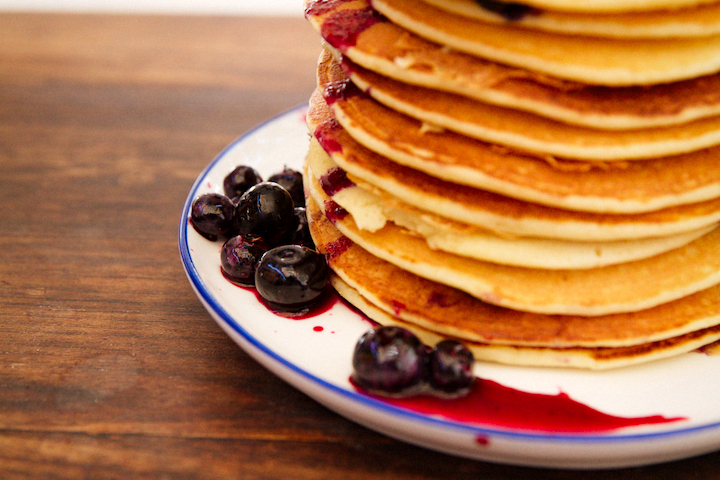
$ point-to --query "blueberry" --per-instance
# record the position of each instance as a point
(291, 277)
(389, 360)
(211, 215)
(292, 181)
(301, 234)
(511, 11)
(240, 180)
(266, 212)
(450, 367)
(239, 258)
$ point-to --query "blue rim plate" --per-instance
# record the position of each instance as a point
(313, 355)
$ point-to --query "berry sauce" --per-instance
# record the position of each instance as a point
(337, 247)
(325, 135)
(340, 90)
(334, 212)
(490, 403)
(315, 8)
(341, 28)
(398, 307)
(439, 300)
(335, 180)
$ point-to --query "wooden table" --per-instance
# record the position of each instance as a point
(109, 365)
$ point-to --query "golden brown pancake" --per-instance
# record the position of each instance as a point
(625, 287)
(532, 152)
(448, 312)
(427, 165)
(385, 48)
(693, 21)
(371, 211)
(524, 131)
(585, 129)
(614, 62)
(594, 358)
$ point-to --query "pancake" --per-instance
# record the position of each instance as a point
(673, 195)
(371, 212)
(598, 107)
(626, 287)
(594, 358)
(471, 131)
(614, 62)
(441, 310)
(597, 127)
(355, 31)
(694, 21)
(520, 130)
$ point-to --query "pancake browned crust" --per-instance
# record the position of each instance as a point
(599, 108)
(476, 168)
(527, 132)
(451, 313)
(614, 62)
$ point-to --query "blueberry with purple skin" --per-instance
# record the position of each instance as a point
(240, 180)
(389, 360)
(301, 234)
(291, 278)
(239, 258)
(511, 11)
(451, 367)
(265, 212)
(211, 215)
(292, 181)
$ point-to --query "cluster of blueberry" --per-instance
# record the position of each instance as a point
(268, 242)
(268, 246)
(392, 360)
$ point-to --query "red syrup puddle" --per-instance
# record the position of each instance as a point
(490, 403)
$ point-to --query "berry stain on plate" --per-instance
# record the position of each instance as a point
(490, 403)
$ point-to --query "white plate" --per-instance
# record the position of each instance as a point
(313, 355)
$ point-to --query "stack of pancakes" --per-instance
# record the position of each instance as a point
(540, 180)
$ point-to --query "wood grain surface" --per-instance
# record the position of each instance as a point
(109, 365)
